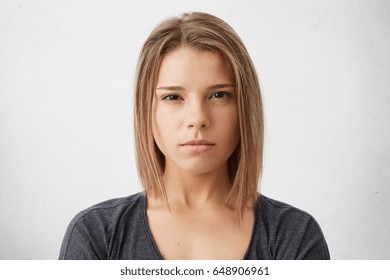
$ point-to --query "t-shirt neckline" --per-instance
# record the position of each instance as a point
(153, 242)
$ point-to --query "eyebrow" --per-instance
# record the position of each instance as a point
(177, 88)
(172, 88)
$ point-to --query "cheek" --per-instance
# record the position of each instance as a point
(230, 127)
(156, 125)
(163, 128)
(235, 134)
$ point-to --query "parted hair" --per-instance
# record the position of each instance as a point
(201, 31)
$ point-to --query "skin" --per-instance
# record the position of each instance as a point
(195, 100)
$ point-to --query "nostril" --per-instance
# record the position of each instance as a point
(203, 125)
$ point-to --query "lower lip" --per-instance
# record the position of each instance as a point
(198, 148)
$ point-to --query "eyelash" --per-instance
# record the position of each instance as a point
(226, 94)
(175, 97)
(169, 97)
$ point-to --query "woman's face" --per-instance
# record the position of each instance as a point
(195, 111)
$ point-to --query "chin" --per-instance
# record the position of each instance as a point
(202, 168)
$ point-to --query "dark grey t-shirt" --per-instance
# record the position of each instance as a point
(118, 229)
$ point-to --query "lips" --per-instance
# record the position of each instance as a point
(197, 142)
(198, 145)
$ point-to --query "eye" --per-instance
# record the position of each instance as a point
(221, 94)
(171, 97)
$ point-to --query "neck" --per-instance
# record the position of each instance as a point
(196, 190)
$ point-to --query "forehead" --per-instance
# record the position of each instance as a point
(186, 65)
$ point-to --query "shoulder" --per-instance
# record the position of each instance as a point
(275, 211)
(90, 233)
(282, 219)
(283, 231)
(110, 209)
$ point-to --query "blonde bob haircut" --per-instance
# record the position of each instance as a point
(203, 32)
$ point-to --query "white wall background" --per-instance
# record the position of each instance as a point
(66, 140)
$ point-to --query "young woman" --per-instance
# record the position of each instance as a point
(199, 143)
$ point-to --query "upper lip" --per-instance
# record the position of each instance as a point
(197, 142)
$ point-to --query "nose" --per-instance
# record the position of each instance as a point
(198, 115)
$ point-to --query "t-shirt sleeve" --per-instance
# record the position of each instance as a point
(299, 237)
(86, 238)
(313, 245)
(288, 233)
